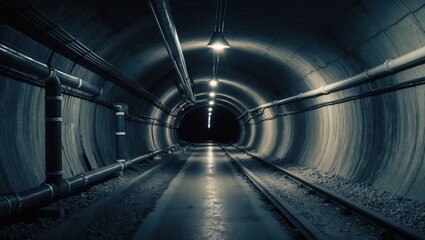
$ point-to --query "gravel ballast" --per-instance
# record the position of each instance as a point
(122, 220)
(326, 217)
(405, 211)
(35, 228)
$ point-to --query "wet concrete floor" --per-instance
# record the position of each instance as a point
(209, 200)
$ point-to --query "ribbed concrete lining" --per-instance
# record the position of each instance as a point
(294, 47)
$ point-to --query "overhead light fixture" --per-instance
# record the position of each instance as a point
(212, 94)
(209, 109)
(211, 102)
(209, 113)
(213, 83)
(218, 42)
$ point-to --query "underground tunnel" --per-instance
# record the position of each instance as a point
(223, 127)
(93, 91)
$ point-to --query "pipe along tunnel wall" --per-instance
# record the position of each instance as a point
(377, 139)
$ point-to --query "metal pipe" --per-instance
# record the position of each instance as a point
(17, 61)
(22, 16)
(389, 67)
(374, 92)
(120, 132)
(53, 129)
(219, 18)
(11, 204)
(165, 22)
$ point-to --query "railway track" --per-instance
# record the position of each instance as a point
(371, 226)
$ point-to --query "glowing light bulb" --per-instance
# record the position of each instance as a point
(212, 94)
(211, 102)
(213, 83)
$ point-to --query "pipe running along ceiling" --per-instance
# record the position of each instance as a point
(278, 50)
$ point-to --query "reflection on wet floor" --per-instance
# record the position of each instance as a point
(208, 200)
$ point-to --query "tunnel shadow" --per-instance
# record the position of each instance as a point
(224, 127)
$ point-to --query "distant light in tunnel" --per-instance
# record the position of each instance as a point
(218, 42)
(209, 113)
(209, 109)
(213, 83)
(212, 94)
(211, 102)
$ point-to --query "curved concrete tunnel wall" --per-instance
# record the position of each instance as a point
(377, 140)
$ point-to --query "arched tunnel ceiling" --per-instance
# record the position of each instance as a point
(267, 36)
(279, 49)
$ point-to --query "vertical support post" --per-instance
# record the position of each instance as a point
(53, 130)
(120, 132)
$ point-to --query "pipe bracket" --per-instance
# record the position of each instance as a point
(52, 190)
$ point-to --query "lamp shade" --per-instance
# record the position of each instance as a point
(218, 42)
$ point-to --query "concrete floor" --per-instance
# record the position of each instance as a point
(208, 200)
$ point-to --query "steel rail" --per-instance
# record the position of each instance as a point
(375, 218)
(304, 227)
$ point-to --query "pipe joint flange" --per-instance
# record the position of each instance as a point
(19, 200)
(51, 75)
(54, 98)
(262, 111)
(367, 74)
(54, 173)
(80, 83)
(323, 90)
(9, 204)
(120, 107)
(387, 66)
(68, 185)
(85, 179)
(123, 163)
(52, 190)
